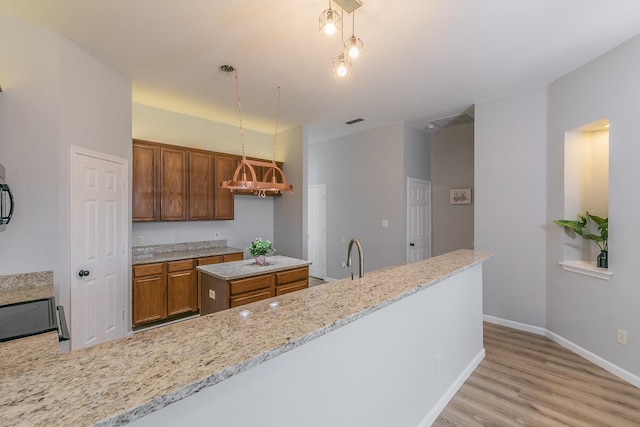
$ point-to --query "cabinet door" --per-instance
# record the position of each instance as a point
(233, 257)
(224, 167)
(173, 184)
(200, 186)
(144, 183)
(250, 297)
(182, 295)
(149, 299)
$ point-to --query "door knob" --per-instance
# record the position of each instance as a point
(83, 273)
(412, 244)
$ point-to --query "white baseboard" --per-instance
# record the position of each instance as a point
(591, 357)
(442, 403)
(514, 325)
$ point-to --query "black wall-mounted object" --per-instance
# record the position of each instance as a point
(6, 201)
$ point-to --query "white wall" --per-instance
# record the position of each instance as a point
(288, 225)
(451, 167)
(510, 204)
(376, 371)
(364, 176)
(56, 95)
(584, 310)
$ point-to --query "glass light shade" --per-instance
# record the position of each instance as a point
(354, 48)
(329, 22)
(341, 66)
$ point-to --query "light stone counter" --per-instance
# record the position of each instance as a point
(178, 251)
(119, 381)
(249, 267)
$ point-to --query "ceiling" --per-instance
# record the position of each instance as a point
(424, 59)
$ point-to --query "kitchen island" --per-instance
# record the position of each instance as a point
(387, 349)
(232, 284)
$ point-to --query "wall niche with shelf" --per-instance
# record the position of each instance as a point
(586, 185)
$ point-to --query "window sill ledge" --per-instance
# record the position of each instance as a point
(587, 268)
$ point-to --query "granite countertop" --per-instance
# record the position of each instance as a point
(248, 267)
(17, 288)
(178, 251)
(122, 380)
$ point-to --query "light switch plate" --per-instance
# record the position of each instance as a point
(385, 222)
(212, 294)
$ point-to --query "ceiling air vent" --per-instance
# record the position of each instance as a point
(359, 119)
(451, 121)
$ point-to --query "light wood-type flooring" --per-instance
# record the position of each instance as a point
(529, 380)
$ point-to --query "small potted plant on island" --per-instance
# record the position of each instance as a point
(259, 248)
(582, 228)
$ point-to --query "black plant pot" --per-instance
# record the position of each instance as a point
(603, 259)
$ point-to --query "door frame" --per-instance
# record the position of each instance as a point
(74, 151)
(428, 217)
(324, 216)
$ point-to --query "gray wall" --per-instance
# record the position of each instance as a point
(510, 204)
(585, 310)
(366, 183)
(451, 167)
(55, 96)
(519, 142)
(288, 213)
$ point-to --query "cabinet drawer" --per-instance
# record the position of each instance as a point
(250, 297)
(210, 260)
(147, 269)
(292, 275)
(234, 257)
(292, 287)
(186, 264)
(250, 284)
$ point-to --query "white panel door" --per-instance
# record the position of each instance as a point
(317, 230)
(98, 247)
(418, 219)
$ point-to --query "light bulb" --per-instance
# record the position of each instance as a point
(330, 29)
(354, 52)
(342, 70)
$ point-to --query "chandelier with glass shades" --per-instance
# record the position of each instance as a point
(330, 23)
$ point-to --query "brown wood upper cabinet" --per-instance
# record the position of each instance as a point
(173, 184)
(144, 182)
(201, 186)
(224, 167)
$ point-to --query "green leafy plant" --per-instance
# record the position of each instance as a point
(582, 227)
(260, 247)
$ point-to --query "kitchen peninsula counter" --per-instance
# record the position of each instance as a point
(124, 380)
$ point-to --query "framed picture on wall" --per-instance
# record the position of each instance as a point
(460, 196)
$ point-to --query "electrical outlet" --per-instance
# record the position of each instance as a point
(212, 294)
(436, 363)
(140, 240)
(622, 337)
(217, 234)
(385, 222)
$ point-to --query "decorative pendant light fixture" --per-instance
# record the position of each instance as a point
(353, 48)
(273, 179)
(330, 22)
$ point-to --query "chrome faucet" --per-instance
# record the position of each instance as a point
(360, 256)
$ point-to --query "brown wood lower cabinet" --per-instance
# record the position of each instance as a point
(169, 290)
(218, 294)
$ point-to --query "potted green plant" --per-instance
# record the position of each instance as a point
(583, 228)
(259, 248)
